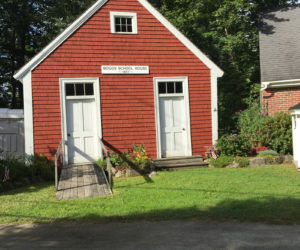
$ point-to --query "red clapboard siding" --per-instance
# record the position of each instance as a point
(127, 101)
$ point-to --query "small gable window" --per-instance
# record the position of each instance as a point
(123, 22)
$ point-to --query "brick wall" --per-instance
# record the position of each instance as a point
(276, 100)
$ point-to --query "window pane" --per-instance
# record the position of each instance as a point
(129, 22)
(118, 28)
(70, 91)
(123, 29)
(129, 29)
(89, 89)
(179, 88)
(162, 88)
(170, 88)
(79, 89)
(117, 20)
(123, 20)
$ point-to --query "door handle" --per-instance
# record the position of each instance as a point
(69, 134)
(183, 129)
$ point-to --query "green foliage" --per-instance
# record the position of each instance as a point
(221, 162)
(268, 153)
(101, 163)
(140, 157)
(41, 167)
(235, 145)
(116, 159)
(243, 161)
(250, 122)
(277, 133)
(35, 168)
(136, 157)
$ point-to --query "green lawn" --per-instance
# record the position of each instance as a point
(267, 194)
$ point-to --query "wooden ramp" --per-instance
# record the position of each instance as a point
(82, 181)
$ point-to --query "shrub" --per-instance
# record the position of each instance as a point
(17, 169)
(101, 163)
(116, 159)
(235, 145)
(268, 153)
(136, 157)
(222, 161)
(140, 157)
(35, 168)
(277, 133)
(243, 161)
(41, 167)
(250, 122)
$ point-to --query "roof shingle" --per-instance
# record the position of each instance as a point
(279, 41)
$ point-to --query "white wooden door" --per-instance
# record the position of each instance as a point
(81, 130)
(173, 126)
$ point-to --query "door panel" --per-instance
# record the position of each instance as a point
(173, 126)
(81, 130)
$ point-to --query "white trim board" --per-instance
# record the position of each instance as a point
(214, 109)
(185, 83)
(62, 82)
(281, 84)
(216, 71)
(28, 115)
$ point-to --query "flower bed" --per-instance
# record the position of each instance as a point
(136, 161)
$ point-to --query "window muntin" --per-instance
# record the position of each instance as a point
(79, 89)
(170, 87)
(123, 22)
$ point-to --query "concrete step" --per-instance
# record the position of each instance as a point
(176, 163)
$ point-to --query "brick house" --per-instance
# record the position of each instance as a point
(280, 59)
(121, 72)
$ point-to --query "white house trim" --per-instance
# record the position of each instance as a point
(281, 84)
(185, 82)
(214, 108)
(215, 70)
(62, 82)
(28, 114)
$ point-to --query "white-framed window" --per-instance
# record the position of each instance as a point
(123, 22)
(170, 87)
(79, 89)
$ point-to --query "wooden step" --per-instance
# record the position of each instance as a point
(176, 163)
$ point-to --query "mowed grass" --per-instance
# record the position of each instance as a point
(268, 194)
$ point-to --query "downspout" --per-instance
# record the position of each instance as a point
(262, 89)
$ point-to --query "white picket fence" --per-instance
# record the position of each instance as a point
(12, 133)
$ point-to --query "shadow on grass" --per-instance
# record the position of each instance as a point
(266, 210)
(30, 188)
(259, 193)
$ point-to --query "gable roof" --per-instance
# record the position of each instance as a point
(35, 61)
(279, 38)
